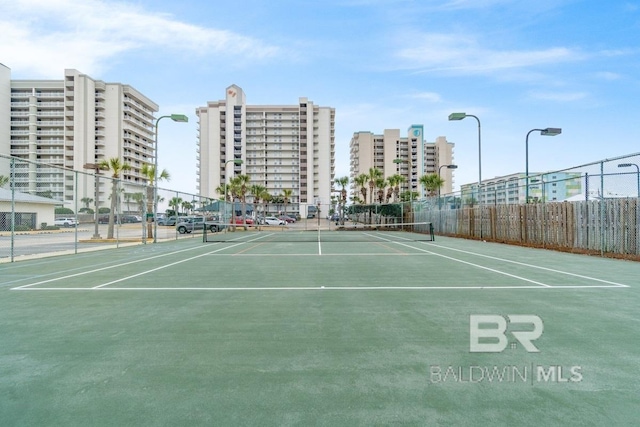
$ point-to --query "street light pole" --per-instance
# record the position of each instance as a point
(627, 165)
(547, 132)
(460, 116)
(176, 118)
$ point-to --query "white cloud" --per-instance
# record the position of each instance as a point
(559, 96)
(39, 35)
(427, 96)
(464, 54)
(608, 75)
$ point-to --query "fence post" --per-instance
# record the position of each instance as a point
(12, 180)
(602, 224)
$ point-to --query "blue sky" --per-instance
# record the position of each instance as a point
(382, 64)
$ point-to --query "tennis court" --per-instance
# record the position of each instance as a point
(366, 327)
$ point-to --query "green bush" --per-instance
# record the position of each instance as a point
(63, 211)
(22, 228)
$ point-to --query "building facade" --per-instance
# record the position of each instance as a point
(511, 189)
(73, 123)
(409, 156)
(278, 146)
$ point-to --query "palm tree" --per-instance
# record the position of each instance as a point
(431, 183)
(240, 183)
(381, 183)
(186, 206)
(361, 181)
(175, 203)
(256, 190)
(342, 200)
(138, 198)
(286, 193)
(408, 196)
(394, 184)
(266, 197)
(116, 167)
(85, 200)
(4, 180)
(374, 174)
(220, 190)
(149, 172)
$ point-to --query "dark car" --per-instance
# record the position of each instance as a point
(287, 218)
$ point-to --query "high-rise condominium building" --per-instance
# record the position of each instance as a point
(72, 123)
(280, 147)
(409, 156)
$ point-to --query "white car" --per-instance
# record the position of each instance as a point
(65, 222)
(272, 220)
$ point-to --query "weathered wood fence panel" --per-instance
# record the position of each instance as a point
(610, 226)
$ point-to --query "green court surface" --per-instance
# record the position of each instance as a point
(276, 333)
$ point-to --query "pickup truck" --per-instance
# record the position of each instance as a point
(189, 224)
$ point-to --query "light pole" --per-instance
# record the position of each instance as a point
(460, 116)
(547, 132)
(628, 165)
(439, 169)
(236, 162)
(176, 118)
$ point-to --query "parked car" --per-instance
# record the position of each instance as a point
(188, 224)
(272, 220)
(65, 222)
(287, 218)
(120, 219)
(170, 220)
(241, 221)
(130, 219)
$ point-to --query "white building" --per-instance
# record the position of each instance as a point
(512, 189)
(409, 156)
(280, 146)
(70, 123)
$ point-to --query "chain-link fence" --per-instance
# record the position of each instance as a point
(47, 208)
(592, 208)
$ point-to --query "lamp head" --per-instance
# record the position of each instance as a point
(551, 131)
(457, 116)
(179, 118)
(452, 166)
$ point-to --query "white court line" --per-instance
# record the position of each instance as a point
(95, 270)
(336, 288)
(165, 266)
(493, 270)
(531, 265)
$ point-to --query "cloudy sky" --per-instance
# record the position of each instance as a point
(382, 64)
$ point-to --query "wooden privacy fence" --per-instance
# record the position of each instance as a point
(608, 227)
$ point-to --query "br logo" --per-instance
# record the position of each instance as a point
(488, 332)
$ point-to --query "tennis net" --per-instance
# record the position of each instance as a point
(322, 232)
